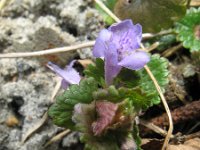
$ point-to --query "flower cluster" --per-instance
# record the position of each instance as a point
(118, 46)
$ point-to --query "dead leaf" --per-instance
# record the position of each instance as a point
(57, 137)
(193, 144)
(85, 62)
(12, 121)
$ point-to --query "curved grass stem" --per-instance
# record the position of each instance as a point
(49, 51)
(170, 130)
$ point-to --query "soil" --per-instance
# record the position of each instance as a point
(26, 84)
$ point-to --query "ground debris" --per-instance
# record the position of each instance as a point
(179, 115)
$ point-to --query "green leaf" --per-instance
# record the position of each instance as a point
(188, 30)
(127, 78)
(110, 4)
(153, 15)
(138, 86)
(158, 66)
(166, 41)
(111, 94)
(138, 98)
(62, 110)
(96, 71)
(106, 143)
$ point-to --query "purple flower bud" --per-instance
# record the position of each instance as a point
(69, 75)
(106, 112)
(118, 45)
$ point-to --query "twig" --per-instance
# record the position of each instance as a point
(155, 128)
(170, 130)
(150, 48)
(153, 46)
(181, 114)
(192, 136)
(146, 36)
(57, 137)
(171, 50)
(49, 51)
(35, 128)
(101, 4)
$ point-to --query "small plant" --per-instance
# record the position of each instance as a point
(103, 106)
(188, 29)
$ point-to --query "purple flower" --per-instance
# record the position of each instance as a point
(118, 45)
(69, 74)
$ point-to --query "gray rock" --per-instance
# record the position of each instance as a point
(71, 139)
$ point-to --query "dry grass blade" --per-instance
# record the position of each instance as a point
(150, 48)
(85, 62)
(49, 51)
(192, 136)
(57, 137)
(146, 36)
(153, 46)
(170, 130)
(192, 144)
(101, 4)
(35, 128)
(171, 50)
(154, 128)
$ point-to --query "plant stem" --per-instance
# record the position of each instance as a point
(170, 130)
(49, 51)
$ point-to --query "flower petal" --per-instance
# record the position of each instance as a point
(135, 36)
(101, 43)
(135, 61)
(69, 74)
(126, 35)
(123, 25)
(64, 84)
(111, 64)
